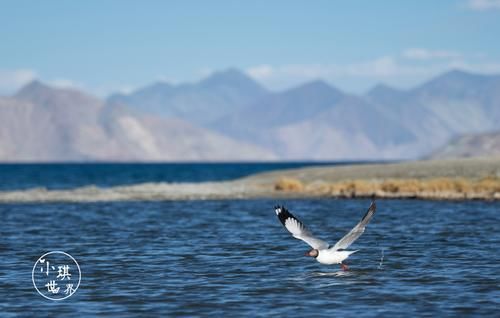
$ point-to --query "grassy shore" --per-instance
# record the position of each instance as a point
(443, 179)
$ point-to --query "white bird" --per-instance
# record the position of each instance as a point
(321, 250)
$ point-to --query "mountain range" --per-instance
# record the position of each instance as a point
(229, 116)
(41, 123)
(470, 145)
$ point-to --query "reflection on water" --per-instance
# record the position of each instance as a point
(233, 258)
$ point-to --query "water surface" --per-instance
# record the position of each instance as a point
(74, 175)
(233, 258)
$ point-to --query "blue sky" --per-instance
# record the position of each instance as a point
(105, 46)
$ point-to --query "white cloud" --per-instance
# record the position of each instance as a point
(483, 5)
(125, 89)
(425, 54)
(205, 72)
(12, 80)
(101, 90)
(398, 70)
(385, 66)
(482, 67)
(66, 83)
(261, 71)
(105, 90)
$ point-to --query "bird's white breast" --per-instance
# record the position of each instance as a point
(330, 257)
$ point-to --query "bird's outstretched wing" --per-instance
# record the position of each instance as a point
(356, 232)
(298, 229)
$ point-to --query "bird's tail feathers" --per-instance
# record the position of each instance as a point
(352, 252)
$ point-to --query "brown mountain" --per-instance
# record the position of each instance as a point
(41, 123)
(473, 145)
(199, 103)
(228, 116)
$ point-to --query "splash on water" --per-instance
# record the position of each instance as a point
(381, 263)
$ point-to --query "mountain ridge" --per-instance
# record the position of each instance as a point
(42, 123)
(230, 116)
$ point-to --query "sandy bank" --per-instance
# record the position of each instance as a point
(477, 178)
(447, 179)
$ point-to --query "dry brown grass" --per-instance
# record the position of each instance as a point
(319, 187)
(453, 185)
(391, 186)
(488, 184)
(441, 185)
(289, 184)
(354, 188)
(459, 185)
(433, 187)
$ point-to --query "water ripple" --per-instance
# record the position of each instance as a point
(233, 258)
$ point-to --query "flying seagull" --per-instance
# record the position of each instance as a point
(321, 250)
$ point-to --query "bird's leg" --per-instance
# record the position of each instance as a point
(344, 267)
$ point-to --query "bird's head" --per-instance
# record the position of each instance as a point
(312, 253)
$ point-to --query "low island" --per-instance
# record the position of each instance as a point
(454, 179)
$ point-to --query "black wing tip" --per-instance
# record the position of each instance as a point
(279, 208)
(283, 214)
(371, 210)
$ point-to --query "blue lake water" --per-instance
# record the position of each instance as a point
(69, 175)
(233, 258)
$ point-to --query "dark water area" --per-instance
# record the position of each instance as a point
(233, 258)
(74, 175)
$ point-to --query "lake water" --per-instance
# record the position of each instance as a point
(233, 258)
(69, 175)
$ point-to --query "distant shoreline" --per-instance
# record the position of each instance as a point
(454, 179)
(460, 179)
